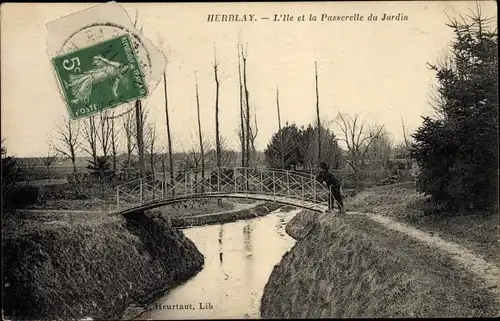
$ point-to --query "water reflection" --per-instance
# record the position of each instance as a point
(239, 258)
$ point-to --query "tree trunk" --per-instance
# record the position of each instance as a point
(73, 159)
(92, 138)
(279, 128)
(170, 159)
(317, 111)
(140, 137)
(200, 135)
(242, 118)
(217, 133)
(113, 141)
(164, 175)
(247, 105)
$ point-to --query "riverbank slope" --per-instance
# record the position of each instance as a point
(68, 266)
(352, 266)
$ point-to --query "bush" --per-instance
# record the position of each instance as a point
(21, 196)
(66, 191)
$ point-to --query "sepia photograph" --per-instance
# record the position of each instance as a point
(249, 160)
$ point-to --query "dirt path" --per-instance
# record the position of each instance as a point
(489, 272)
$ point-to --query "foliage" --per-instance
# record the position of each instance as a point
(13, 194)
(283, 151)
(9, 168)
(292, 147)
(330, 152)
(102, 171)
(101, 168)
(457, 152)
(22, 195)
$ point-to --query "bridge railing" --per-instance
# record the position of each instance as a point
(221, 181)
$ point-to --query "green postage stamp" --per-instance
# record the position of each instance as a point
(100, 76)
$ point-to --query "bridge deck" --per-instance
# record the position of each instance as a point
(285, 187)
(276, 199)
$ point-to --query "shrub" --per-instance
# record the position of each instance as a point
(457, 154)
(21, 196)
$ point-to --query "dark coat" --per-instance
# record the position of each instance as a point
(329, 178)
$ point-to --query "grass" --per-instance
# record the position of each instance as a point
(66, 266)
(349, 266)
(477, 231)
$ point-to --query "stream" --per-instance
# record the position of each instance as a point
(239, 258)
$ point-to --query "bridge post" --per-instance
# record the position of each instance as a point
(218, 180)
(314, 188)
(274, 186)
(163, 189)
(140, 190)
(235, 180)
(261, 183)
(185, 182)
(303, 189)
(117, 197)
(288, 183)
(192, 184)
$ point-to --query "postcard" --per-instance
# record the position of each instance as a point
(249, 160)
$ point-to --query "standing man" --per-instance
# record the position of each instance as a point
(325, 177)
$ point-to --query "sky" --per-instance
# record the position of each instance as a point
(377, 69)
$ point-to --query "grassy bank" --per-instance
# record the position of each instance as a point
(478, 231)
(350, 266)
(74, 266)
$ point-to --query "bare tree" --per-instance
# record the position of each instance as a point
(217, 129)
(90, 136)
(407, 140)
(253, 132)
(228, 156)
(279, 123)
(150, 144)
(241, 134)
(163, 157)
(252, 135)
(167, 120)
(67, 136)
(190, 158)
(50, 159)
(380, 150)
(358, 140)
(114, 134)
(128, 127)
(139, 120)
(104, 133)
(247, 105)
(139, 123)
(200, 134)
(317, 110)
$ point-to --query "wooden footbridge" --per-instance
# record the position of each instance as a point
(286, 187)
